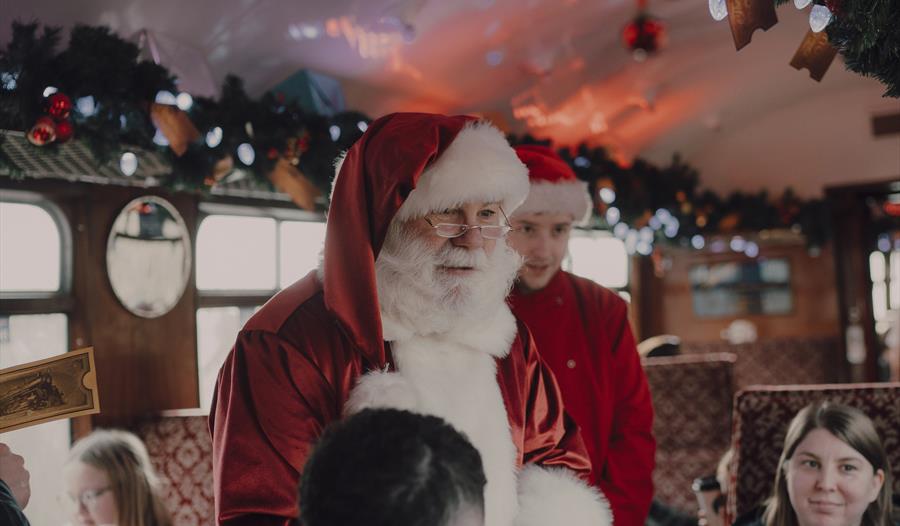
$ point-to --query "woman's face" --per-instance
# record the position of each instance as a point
(89, 496)
(829, 482)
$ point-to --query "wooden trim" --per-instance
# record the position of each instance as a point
(251, 300)
(49, 305)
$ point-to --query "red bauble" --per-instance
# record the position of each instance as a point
(273, 153)
(64, 130)
(643, 33)
(59, 106)
(43, 132)
(835, 6)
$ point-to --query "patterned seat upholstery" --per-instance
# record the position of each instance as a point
(761, 418)
(692, 396)
(181, 452)
(785, 361)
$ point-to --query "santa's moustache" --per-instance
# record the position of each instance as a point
(413, 291)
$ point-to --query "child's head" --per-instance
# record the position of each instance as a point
(384, 467)
(109, 480)
(833, 470)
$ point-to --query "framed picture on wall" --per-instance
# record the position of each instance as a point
(741, 288)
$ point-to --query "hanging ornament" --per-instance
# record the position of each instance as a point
(288, 179)
(835, 6)
(801, 4)
(59, 106)
(643, 35)
(64, 131)
(175, 125)
(718, 9)
(746, 16)
(815, 54)
(819, 18)
(43, 132)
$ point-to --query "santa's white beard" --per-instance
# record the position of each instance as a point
(414, 292)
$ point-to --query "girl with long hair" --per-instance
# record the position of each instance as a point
(109, 481)
(833, 470)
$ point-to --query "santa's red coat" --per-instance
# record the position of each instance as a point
(289, 375)
(582, 333)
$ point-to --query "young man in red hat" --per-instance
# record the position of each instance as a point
(407, 311)
(583, 335)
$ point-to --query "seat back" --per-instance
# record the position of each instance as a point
(180, 449)
(761, 418)
(783, 361)
(692, 396)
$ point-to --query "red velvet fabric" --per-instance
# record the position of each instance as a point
(582, 333)
(294, 363)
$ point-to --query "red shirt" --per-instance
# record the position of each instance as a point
(582, 333)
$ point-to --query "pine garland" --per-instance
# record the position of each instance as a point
(867, 35)
(99, 64)
(643, 188)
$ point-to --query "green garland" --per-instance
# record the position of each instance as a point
(99, 64)
(867, 35)
(642, 189)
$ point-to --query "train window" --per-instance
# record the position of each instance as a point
(217, 328)
(236, 253)
(30, 257)
(599, 257)
(35, 270)
(301, 245)
(277, 247)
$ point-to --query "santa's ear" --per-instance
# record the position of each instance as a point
(384, 390)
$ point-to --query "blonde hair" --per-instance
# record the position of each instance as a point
(123, 457)
(853, 428)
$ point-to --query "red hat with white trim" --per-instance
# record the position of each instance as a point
(554, 186)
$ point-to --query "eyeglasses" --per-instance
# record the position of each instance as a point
(88, 499)
(451, 230)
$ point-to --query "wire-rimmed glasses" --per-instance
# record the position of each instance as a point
(451, 230)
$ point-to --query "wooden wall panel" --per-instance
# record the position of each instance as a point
(813, 283)
(143, 365)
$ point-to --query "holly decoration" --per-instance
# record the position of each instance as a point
(59, 106)
(43, 132)
(643, 34)
(64, 131)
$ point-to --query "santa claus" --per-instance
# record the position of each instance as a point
(407, 310)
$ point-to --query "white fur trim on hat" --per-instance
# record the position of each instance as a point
(479, 165)
(566, 197)
(557, 496)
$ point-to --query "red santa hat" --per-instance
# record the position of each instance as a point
(554, 186)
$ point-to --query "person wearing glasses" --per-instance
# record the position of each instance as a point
(583, 335)
(109, 481)
(407, 311)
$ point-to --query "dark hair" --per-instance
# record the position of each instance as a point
(853, 428)
(386, 467)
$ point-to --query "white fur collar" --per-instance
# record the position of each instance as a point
(492, 335)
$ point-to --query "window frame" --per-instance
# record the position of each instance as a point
(249, 298)
(43, 302)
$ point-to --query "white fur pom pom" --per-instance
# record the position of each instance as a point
(380, 389)
(557, 496)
